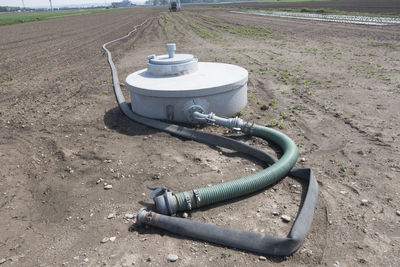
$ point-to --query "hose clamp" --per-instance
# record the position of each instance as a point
(248, 127)
(197, 195)
(188, 200)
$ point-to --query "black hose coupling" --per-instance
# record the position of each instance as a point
(164, 200)
(143, 217)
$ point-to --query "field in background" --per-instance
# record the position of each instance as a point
(353, 7)
(290, 1)
(23, 17)
(14, 18)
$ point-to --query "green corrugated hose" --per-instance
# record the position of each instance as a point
(228, 190)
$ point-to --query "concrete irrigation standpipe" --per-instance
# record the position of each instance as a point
(172, 83)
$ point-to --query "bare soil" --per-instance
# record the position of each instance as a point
(333, 88)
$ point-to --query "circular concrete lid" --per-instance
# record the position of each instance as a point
(210, 78)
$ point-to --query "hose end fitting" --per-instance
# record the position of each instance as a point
(235, 124)
(164, 200)
(143, 216)
(166, 203)
(195, 114)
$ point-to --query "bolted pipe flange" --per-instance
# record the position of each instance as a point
(189, 112)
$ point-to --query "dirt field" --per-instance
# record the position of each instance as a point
(333, 88)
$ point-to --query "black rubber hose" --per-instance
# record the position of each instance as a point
(250, 241)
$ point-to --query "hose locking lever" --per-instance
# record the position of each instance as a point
(157, 191)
